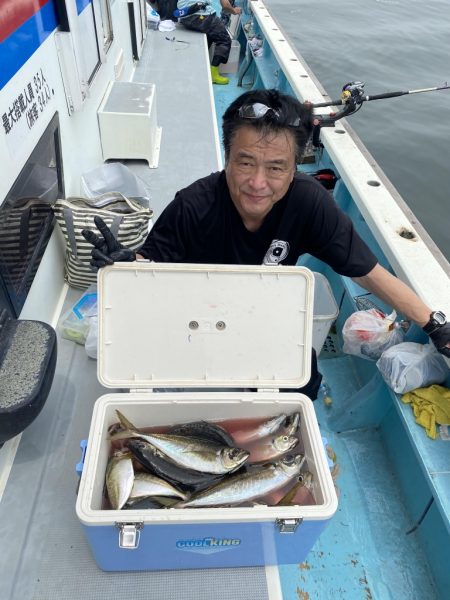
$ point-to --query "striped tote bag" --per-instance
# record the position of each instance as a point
(128, 220)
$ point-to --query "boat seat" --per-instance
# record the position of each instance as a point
(190, 146)
(27, 366)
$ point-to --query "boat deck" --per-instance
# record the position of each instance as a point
(364, 553)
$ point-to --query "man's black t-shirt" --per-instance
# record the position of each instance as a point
(202, 225)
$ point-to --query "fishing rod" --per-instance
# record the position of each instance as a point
(358, 87)
(351, 100)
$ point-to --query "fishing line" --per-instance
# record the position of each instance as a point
(424, 514)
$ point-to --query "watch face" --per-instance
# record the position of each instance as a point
(439, 317)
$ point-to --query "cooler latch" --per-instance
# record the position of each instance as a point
(288, 525)
(129, 535)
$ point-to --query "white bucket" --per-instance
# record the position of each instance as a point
(231, 66)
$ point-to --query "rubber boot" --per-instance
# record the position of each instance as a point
(217, 77)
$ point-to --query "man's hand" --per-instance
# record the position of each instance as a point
(441, 339)
(107, 249)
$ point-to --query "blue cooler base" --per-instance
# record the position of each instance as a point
(203, 546)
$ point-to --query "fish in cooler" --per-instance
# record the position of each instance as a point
(190, 452)
(119, 478)
(271, 448)
(246, 433)
(205, 430)
(146, 485)
(239, 489)
(260, 471)
(300, 492)
(158, 463)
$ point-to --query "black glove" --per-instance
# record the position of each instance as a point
(441, 339)
(107, 249)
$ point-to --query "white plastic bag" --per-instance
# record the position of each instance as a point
(92, 337)
(408, 366)
(114, 177)
(368, 333)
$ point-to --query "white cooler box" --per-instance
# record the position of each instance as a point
(204, 328)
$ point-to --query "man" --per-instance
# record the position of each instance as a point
(201, 16)
(260, 210)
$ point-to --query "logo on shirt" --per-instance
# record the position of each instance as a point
(277, 252)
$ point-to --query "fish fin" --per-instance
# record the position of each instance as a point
(125, 423)
(123, 435)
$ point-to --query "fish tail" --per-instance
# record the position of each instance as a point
(125, 423)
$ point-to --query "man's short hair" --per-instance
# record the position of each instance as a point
(268, 111)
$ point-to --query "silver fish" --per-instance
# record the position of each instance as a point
(145, 485)
(119, 478)
(291, 423)
(301, 491)
(272, 448)
(248, 486)
(193, 453)
(267, 428)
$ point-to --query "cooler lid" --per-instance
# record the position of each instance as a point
(213, 326)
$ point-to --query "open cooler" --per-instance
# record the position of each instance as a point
(203, 342)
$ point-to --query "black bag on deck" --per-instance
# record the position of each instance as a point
(165, 9)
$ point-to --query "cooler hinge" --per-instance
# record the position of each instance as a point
(288, 525)
(129, 535)
(141, 390)
(271, 390)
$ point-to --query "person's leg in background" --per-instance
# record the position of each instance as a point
(219, 35)
(216, 33)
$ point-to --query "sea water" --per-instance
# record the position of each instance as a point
(391, 45)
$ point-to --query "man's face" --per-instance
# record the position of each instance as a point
(259, 171)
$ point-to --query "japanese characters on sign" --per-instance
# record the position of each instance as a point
(26, 108)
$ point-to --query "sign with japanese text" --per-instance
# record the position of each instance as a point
(26, 108)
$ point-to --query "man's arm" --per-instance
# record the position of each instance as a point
(395, 293)
(229, 8)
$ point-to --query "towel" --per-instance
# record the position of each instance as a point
(166, 25)
(431, 405)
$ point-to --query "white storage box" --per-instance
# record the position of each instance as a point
(128, 122)
(230, 327)
(325, 311)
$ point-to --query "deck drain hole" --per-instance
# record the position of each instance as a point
(407, 234)
(373, 183)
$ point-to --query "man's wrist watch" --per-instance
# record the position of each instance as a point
(437, 320)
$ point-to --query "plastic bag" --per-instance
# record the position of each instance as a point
(92, 338)
(74, 324)
(368, 333)
(408, 366)
(114, 177)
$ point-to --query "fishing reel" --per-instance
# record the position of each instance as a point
(353, 93)
(351, 100)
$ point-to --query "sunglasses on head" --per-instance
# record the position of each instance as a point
(257, 110)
